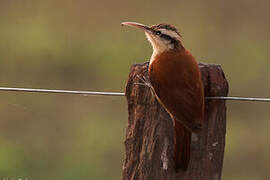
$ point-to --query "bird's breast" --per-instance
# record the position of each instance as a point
(174, 68)
(176, 79)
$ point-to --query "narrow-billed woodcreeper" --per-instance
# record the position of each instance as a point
(176, 79)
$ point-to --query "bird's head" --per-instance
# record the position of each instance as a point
(163, 37)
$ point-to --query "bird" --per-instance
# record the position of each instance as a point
(175, 77)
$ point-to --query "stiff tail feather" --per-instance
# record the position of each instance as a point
(182, 141)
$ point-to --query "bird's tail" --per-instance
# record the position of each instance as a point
(182, 141)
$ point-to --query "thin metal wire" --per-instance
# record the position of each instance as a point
(240, 99)
(62, 91)
(93, 93)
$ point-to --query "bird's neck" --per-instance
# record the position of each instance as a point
(156, 53)
(154, 56)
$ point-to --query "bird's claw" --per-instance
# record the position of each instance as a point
(145, 83)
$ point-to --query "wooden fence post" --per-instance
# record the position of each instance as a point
(149, 135)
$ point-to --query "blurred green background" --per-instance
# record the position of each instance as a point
(80, 45)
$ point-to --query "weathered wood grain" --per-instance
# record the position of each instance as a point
(149, 135)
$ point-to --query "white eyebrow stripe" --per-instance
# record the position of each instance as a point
(170, 33)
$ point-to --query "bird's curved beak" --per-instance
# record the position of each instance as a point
(137, 25)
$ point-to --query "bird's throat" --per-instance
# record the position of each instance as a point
(154, 56)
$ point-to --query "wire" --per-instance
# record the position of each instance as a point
(93, 93)
(62, 91)
(240, 99)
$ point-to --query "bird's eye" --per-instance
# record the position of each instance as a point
(158, 33)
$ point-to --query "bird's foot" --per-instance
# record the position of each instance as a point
(145, 83)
